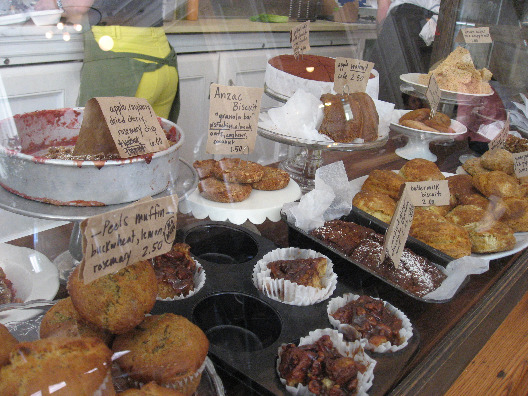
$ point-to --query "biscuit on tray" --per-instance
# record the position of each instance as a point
(272, 179)
(235, 170)
(220, 191)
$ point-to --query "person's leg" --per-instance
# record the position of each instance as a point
(159, 89)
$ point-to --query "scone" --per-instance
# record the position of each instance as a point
(476, 199)
(167, 349)
(516, 213)
(447, 237)
(81, 365)
(63, 320)
(384, 181)
(498, 160)
(235, 170)
(461, 185)
(376, 204)
(151, 389)
(272, 179)
(464, 215)
(490, 237)
(7, 345)
(220, 191)
(306, 272)
(116, 302)
(497, 183)
(420, 169)
(474, 167)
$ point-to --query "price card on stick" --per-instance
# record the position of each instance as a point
(116, 239)
(120, 124)
(520, 164)
(300, 38)
(233, 119)
(474, 35)
(433, 94)
(429, 193)
(499, 140)
(398, 230)
(351, 75)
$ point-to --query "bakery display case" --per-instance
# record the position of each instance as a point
(271, 276)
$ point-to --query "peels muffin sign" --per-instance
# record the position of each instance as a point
(118, 238)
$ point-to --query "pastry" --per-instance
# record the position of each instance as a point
(220, 191)
(490, 237)
(344, 236)
(116, 302)
(474, 167)
(7, 291)
(464, 215)
(62, 320)
(457, 73)
(205, 168)
(272, 179)
(497, 183)
(498, 160)
(305, 272)
(151, 389)
(461, 185)
(416, 115)
(167, 349)
(418, 125)
(476, 199)
(175, 271)
(515, 144)
(516, 213)
(420, 169)
(7, 345)
(81, 365)
(235, 170)
(349, 117)
(376, 204)
(447, 237)
(384, 181)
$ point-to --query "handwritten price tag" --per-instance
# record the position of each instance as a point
(351, 75)
(502, 136)
(520, 164)
(476, 35)
(300, 38)
(428, 193)
(398, 230)
(116, 239)
(233, 119)
(433, 94)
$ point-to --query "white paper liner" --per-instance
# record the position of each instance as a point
(178, 385)
(107, 387)
(289, 292)
(406, 332)
(350, 349)
(199, 281)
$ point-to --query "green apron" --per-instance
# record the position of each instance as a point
(108, 73)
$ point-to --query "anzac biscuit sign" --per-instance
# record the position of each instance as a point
(233, 119)
(116, 239)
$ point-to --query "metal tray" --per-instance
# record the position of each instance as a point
(344, 263)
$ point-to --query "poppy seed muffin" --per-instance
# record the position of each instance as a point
(116, 302)
(167, 349)
(58, 365)
(63, 320)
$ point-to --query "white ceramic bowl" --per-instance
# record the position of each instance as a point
(79, 183)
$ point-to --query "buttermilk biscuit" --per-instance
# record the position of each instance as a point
(205, 168)
(384, 181)
(63, 320)
(376, 204)
(460, 185)
(151, 389)
(420, 169)
(422, 215)
(235, 170)
(490, 237)
(476, 199)
(516, 213)
(272, 179)
(497, 183)
(498, 160)
(220, 191)
(82, 366)
(7, 345)
(116, 302)
(474, 167)
(447, 237)
(464, 215)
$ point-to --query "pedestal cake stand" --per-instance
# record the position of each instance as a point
(184, 184)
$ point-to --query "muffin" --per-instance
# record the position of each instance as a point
(167, 349)
(82, 364)
(116, 302)
(63, 320)
(7, 345)
(151, 389)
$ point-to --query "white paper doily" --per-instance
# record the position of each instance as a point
(260, 205)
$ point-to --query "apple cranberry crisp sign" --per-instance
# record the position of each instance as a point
(116, 239)
(233, 119)
(351, 75)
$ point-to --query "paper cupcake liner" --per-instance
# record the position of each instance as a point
(199, 281)
(349, 349)
(286, 291)
(186, 385)
(406, 332)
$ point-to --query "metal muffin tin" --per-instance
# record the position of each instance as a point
(439, 259)
(244, 327)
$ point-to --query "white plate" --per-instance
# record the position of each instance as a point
(13, 18)
(33, 275)
(412, 80)
(46, 17)
(521, 237)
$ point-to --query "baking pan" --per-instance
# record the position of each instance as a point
(345, 266)
(244, 327)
